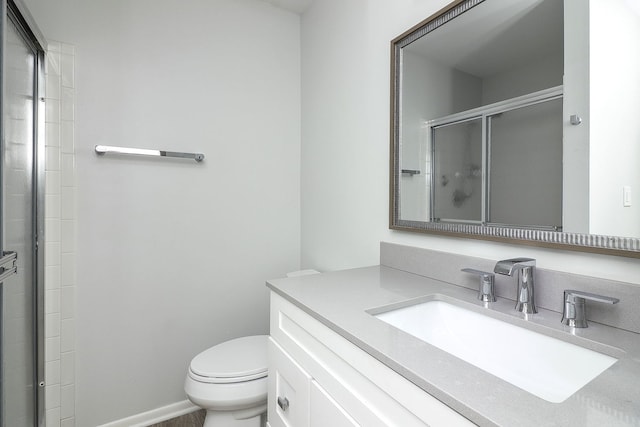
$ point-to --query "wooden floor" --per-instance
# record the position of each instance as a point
(194, 419)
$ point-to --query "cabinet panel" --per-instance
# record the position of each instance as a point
(325, 411)
(288, 390)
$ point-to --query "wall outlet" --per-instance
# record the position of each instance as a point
(626, 196)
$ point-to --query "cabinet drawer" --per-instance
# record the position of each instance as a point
(289, 390)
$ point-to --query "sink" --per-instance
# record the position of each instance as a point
(546, 367)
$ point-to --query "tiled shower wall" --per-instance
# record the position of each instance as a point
(60, 237)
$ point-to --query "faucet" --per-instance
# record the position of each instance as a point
(525, 301)
(486, 290)
(574, 312)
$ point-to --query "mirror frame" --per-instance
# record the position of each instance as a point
(607, 245)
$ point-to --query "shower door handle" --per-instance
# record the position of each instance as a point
(8, 265)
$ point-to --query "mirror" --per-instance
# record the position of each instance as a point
(516, 121)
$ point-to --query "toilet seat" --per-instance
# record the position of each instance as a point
(239, 360)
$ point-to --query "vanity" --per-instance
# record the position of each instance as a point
(334, 363)
(318, 377)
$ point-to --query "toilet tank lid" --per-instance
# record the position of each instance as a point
(237, 358)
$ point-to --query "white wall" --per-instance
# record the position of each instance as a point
(345, 126)
(345, 145)
(173, 255)
(537, 75)
(614, 103)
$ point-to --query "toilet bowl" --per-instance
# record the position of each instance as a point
(229, 380)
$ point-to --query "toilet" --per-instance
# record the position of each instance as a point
(229, 380)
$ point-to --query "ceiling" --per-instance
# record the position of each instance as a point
(496, 36)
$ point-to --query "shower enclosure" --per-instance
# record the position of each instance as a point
(499, 165)
(22, 220)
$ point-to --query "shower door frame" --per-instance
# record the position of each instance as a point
(25, 24)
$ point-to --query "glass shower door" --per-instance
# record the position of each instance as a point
(18, 348)
(457, 171)
(526, 191)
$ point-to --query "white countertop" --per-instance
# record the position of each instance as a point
(340, 300)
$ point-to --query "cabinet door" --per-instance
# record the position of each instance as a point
(325, 411)
(288, 390)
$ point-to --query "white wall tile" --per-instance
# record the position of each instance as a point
(52, 277)
(68, 203)
(53, 46)
(67, 108)
(52, 182)
(52, 81)
(52, 325)
(68, 232)
(52, 229)
(67, 401)
(52, 134)
(53, 417)
(68, 302)
(52, 158)
(52, 111)
(52, 301)
(67, 137)
(67, 368)
(52, 372)
(52, 349)
(60, 236)
(68, 335)
(52, 254)
(67, 70)
(52, 396)
(52, 65)
(52, 206)
(68, 176)
(68, 269)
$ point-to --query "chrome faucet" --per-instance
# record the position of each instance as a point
(574, 312)
(525, 301)
(486, 290)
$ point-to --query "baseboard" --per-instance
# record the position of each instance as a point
(155, 416)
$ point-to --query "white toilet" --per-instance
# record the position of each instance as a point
(229, 380)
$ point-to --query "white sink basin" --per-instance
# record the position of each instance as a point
(545, 367)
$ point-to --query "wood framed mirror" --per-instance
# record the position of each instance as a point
(516, 122)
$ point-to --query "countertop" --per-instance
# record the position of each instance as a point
(340, 300)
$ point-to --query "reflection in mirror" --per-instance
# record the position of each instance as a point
(525, 157)
(493, 131)
(456, 150)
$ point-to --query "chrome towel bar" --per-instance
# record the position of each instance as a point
(104, 149)
(411, 172)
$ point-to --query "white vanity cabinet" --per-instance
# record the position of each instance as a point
(317, 378)
(299, 399)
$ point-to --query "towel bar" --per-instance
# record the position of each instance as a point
(104, 149)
